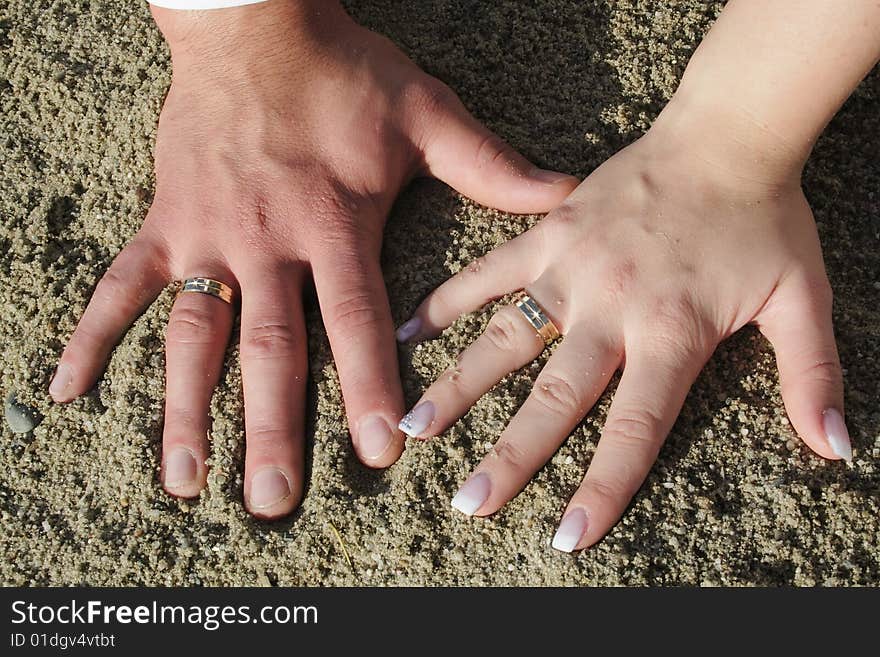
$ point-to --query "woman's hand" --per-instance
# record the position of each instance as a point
(285, 137)
(668, 248)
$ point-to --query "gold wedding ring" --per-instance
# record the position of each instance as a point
(208, 286)
(536, 316)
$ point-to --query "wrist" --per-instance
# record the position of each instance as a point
(730, 140)
(224, 39)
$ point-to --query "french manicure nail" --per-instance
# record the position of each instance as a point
(62, 379)
(180, 468)
(409, 329)
(269, 487)
(374, 437)
(837, 434)
(418, 419)
(571, 531)
(550, 177)
(473, 494)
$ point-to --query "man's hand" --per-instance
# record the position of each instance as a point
(285, 137)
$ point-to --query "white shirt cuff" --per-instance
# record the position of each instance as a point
(202, 4)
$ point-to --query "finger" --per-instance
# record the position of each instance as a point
(274, 368)
(651, 393)
(195, 342)
(511, 266)
(797, 321)
(462, 152)
(356, 314)
(132, 282)
(564, 392)
(508, 343)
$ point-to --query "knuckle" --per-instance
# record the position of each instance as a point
(563, 228)
(334, 204)
(620, 278)
(345, 228)
(454, 378)
(269, 340)
(337, 207)
(557, 395)
(562, 218)
(181, 421)
(633, 428)
(491, 150)
(355, 312)
(253, 218)
(477, 268)
(265, 439)
(503, 333)
(677, 327)
(821, 368)
(190, 324)
(127, 282)
(674, 312)
(475, 277)
(807, 291)
(433, 97)
(114, 285)
(256, 221)
(88, 341)
(605, 493)
(510, 456)
(148, 248)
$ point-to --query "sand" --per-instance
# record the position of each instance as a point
(735, 498)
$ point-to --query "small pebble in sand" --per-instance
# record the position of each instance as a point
(20, 418)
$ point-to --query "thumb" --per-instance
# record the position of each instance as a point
(469, 157)
(797, 321)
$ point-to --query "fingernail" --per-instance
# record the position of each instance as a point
(571, 530)
(62, 379)
(418, 419)
(269, 486)
(374, 437)
(473, 494)
(550, 177)
(408, 329)
(180, 468)
(837, 434)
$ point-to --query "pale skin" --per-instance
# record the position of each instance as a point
(692, 232)
(284, 139)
